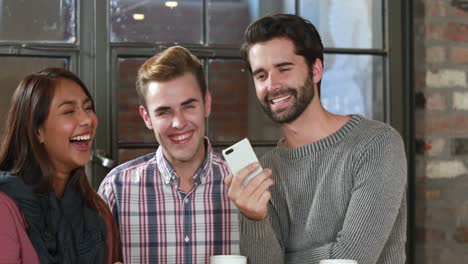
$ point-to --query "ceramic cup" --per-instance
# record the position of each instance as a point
(228, 259)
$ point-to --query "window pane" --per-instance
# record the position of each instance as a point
(38, 21)
(13, 70)
(346, 24)
(156, 21)
(129, 154)
(236, 15)
(235, 112)
(130, 124)
(354, 84)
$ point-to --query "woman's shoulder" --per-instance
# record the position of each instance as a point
(11, 215)
(15, 246)
(10, 218)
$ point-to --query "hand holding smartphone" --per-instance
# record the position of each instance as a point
(238, 156)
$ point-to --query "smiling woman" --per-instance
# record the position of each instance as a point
(67, 132)
(51, 213)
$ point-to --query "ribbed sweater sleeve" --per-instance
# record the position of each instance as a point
(341, 197)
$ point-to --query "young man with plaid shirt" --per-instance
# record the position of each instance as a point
(172, 205)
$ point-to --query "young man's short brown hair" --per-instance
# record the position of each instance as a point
(167, 65)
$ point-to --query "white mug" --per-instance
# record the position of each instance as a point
(338, 261)
(228, 259)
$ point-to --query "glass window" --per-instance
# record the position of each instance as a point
(346, 24)
(13, 70)
(262, 8)
(353, 84)
(130, 124)
(236, 15)
(235, 111)
(38, 21)
(156, 21)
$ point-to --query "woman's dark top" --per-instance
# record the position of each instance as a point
(61, 230)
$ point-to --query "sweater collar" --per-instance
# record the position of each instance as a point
(321, 144)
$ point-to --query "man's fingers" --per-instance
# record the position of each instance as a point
(258, 180)
(252, 199)
(262, 188)
(264, 198)
(227, 181)
(242, 174)
(256, 209)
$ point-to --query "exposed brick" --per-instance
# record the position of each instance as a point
(419, 78)
(460, 146)
(441, 164)
(440, 213)
(419, 146)
(432, 195)
(445, 169)
(435, 146)
(450, 254)
(460, 100)
(456, 32)
(459, 55)
(461, 234)
(420, 100)
(429, 234)
(436, 54)
(437, 8)
(430, 147)
(419, 33)
(445, 78)
(453, 124)
(435, 101)
(435, 31)
(459, 12)
(419, 10)
(420, 171)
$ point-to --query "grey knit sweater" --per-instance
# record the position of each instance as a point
(340, 197)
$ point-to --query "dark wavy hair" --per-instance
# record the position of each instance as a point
(300, 31)
(21, 153)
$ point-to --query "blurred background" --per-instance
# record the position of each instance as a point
(401, 62)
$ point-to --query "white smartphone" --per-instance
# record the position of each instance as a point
(238, 156)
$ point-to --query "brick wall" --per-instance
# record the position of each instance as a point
(441, 93)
